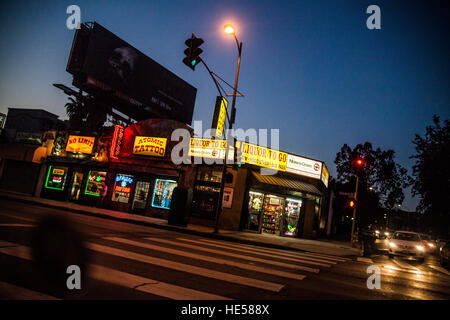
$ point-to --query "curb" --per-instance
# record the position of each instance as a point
(169, 227)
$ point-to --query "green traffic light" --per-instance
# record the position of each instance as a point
(193, 62)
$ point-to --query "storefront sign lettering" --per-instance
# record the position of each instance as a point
(80, 144)
(304, 166)
(150, 146)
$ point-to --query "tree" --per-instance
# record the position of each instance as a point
(379, 172)
(77, 112)
(87, 114)
(431, 173)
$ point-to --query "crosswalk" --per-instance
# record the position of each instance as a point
(203, 269)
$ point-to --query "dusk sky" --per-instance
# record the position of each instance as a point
(309, 68)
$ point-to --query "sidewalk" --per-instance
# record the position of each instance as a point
(270, 241)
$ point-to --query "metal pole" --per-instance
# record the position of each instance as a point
(232, 116)
(354, 212)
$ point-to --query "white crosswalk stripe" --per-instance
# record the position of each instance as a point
(169, 264)
(241, 256)
(248, 261)
(303, 255)
(270, 255)
(127, 280)
(244, 266)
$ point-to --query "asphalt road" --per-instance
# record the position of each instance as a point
(127, 261)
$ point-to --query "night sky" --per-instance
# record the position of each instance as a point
(309, 68)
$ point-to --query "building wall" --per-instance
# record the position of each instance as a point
(231, 217)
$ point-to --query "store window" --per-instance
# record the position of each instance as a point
(272, 214)
(162, 194)
(122, 188)
(56, 178)
(209, 174)
(95, 183)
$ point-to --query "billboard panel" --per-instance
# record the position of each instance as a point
(149, 90)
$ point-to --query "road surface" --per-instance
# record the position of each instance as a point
(128, 261)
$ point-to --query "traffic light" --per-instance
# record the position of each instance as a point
(193, 52)
(351, 203)
(359, 162)
(237, 153)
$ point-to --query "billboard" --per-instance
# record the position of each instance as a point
(2, 120)
(99, 60)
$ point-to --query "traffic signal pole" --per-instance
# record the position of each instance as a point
(219, 208)
(354, 214)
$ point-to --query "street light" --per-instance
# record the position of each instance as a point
(229, 29)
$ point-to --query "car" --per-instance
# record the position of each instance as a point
(429, 244)
(406, 243)
(444, 254)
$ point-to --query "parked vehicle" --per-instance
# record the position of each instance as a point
(444, 254)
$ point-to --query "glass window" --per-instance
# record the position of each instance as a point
(140, 195)
(162, 194)
(95, 183)
(406, 236)
(209, 174)
(122, 188)
(56, 178)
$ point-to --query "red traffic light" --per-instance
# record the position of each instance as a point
(359, 162)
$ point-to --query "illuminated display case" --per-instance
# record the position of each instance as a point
(122, 188)
(95, 183)
(162, 194)
(272, 214)
(56, 178)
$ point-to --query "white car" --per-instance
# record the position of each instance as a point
(405, 243)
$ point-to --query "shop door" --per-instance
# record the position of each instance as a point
(272, 213)
(293, 218)
(255, 205)
(140, 197)
(75, 185)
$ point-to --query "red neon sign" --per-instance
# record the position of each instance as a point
(116, 142)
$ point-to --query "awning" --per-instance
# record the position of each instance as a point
(291, 184)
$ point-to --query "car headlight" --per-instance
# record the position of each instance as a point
(386, 234)
(377, 232)
(420, 248)
(392, 245)
(431, 245)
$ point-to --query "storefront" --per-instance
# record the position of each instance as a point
(76, 169)
(281, 204)
(141, 176)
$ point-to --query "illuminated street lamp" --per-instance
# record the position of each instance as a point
(229, 29)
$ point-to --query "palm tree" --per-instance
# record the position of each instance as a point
(77, 112)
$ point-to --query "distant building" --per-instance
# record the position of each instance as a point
(28, 125)
(22, 147)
